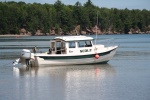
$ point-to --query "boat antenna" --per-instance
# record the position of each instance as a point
(96, 29)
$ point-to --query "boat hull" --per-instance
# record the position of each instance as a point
(75, 60)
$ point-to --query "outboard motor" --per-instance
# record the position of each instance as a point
(25, 56)
(25, 53)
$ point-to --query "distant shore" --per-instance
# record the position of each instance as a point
(12, 35)
(17, 35)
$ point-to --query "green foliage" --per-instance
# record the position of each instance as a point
(16, 15)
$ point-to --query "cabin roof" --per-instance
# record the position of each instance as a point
(74, 38)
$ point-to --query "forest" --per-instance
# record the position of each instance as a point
(15, 16)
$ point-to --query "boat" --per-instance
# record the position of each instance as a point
(69, 50)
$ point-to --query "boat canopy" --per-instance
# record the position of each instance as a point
(74, 38)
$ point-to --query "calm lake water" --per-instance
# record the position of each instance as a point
(125, 77)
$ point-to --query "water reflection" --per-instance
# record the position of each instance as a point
(95, 71)
(63, 82)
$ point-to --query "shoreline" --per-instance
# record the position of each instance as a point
(13, 35)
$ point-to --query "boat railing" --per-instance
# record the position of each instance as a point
(107, 42)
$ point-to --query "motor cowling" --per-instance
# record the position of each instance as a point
(25, 53)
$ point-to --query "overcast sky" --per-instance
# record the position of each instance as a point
(120, 4)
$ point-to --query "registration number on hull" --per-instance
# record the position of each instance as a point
(85, 50)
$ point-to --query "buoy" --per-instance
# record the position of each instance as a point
(97, 56)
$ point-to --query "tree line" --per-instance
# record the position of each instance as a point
(17, 15)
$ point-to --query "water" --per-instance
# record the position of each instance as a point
(125, 77)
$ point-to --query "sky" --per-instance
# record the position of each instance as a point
(120, 4)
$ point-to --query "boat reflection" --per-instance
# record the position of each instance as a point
(63, 82)
(74, 71)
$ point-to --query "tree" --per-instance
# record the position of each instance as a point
(16, 15)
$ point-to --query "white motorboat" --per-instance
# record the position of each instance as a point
(69, 50)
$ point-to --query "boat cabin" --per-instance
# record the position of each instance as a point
(71, 45)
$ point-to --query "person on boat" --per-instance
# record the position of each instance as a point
(49, 50)
(34, 49)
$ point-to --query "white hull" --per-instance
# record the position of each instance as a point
(101, 59)
(71, 50)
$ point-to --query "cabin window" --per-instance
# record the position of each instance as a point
(58, 44)
(81, 43)
(84, 44)
(72, 44)
(88, 44)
